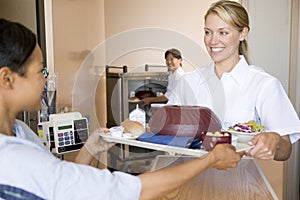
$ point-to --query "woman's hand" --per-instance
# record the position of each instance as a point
(95, 144)
(269, 146)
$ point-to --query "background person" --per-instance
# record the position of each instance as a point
(174, 63)
(236, 91)
(30, 171)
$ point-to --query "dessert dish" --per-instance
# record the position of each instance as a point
(211, 139)
(116, 131)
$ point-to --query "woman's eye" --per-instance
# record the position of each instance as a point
(223, 33)
(207, 32)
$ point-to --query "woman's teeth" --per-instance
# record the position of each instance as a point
(217, 49)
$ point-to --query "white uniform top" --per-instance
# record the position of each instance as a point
(27, 167)
(294, 137)
(173, 78)
(246, 93)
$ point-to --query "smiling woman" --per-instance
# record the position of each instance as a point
(229, 85)
(173, 60)
(225, 37)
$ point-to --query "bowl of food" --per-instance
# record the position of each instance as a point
(246, 131)
(211, 139)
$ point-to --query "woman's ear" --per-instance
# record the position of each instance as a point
(6, 77)
(244, 34)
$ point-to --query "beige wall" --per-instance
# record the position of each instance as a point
(183, 17)
(77, 28)
(22, 11)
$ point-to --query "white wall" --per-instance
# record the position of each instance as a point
(298, 64)
(273, 45)
(269, 39)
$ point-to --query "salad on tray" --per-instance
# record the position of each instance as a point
(248, 127)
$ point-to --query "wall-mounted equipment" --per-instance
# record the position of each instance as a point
(64, 132)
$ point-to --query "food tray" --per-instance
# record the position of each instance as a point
(159, 147)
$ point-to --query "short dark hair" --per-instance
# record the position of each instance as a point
(16, 45)
(174, 52)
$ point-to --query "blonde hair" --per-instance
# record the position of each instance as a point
(234, 14)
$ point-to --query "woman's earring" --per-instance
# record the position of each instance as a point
(45, 72)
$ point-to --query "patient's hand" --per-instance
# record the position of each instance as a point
(225, 156)
(95, 144)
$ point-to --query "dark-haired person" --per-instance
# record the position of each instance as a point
(30, 171)
(174, 63)
(17, 46)
(239, 92)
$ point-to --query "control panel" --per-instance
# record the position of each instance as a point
(65, 132)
